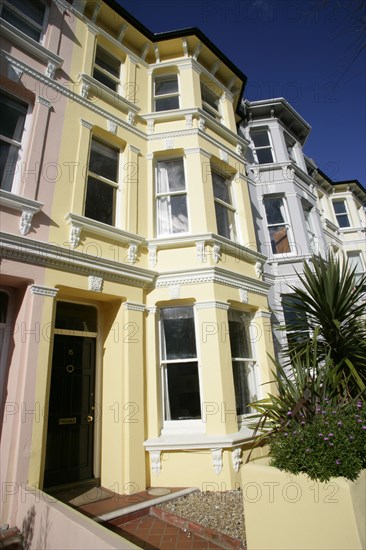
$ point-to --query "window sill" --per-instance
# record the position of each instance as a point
(89, 84)
(27, 207)
(31, 46)
(87, 225)
(191, 441)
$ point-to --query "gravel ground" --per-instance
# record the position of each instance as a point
(219, 511)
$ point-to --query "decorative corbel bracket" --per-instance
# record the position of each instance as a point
(217, 460)
(155, 457)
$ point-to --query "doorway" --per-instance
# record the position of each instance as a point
(70, 432)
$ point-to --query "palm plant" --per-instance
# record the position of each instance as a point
(331, 302)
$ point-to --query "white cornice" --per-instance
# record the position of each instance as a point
(210, 276)
(235, 249)
(53, 256)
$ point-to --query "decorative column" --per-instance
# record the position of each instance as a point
(31, 173)
(200, 195)
(38, 365)
(153, 375)
(218, 408)
(133, 334)
(129, 189)
(79, 180)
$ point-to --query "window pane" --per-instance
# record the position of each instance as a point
(223, 221)
(182, 394)
(104, 160)
(210, 97)
(104, 79)
(354, 260)
(171, 176)
(343, 220)
(274, 209)
(12, 117)
(264, 156)
(339, 207)
(20, 24)
(167, 103)
(34, 9)
(166, 85)
(239, 338)
(4, 302)
(178, 338)
(76, 317)
(99, 204)
(242, 395)
(279, 239)
(260, 139)
(8, 161)
(107, 62)
(220, 187)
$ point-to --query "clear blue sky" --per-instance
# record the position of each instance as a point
(308, 51)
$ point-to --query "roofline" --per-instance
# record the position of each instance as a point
(263, 102)
(348, 182)
(179, 33)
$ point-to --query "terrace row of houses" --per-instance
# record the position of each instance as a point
(151, 221)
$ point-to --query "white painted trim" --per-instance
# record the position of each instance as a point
(189, 441)
(35, 252)
(21, 204)
(107, 94)
(44, 291)
(99, 228)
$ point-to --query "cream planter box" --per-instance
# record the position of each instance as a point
(285, 511)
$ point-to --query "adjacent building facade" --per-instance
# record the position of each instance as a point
(297, 209)
(143, 238)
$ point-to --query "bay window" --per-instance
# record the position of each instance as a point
(171, 197)
(11, 131)
(100, 203)
(225, 212)
(26, 15)
(277, 224)
(107, 69)
(243, 363)
(166, 92)
(179, 364)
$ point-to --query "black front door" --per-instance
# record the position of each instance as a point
(69, 455)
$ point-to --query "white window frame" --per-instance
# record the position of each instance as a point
(207, 107)
(28, 20)
(345, 213)
(230, 207)
(286, 223)
(112, 77)
(176, 426)
(262, 147)
(21, 145)
(251, 364)
(167, 76)
(159, 195)
(104, 180)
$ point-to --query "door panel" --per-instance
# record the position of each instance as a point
(69, 455)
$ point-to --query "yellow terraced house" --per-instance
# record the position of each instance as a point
(134, 312)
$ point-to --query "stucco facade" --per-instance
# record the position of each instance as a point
(130, 273)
